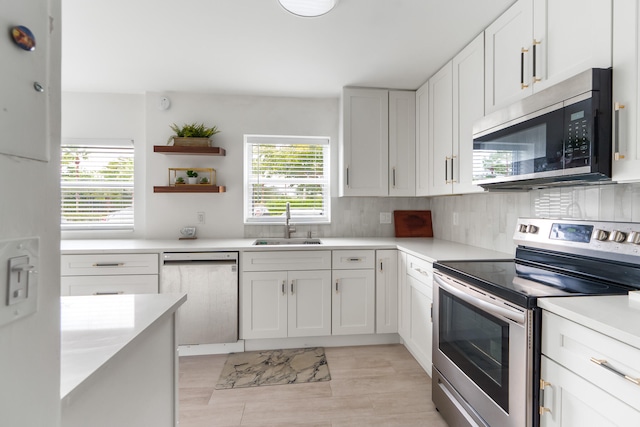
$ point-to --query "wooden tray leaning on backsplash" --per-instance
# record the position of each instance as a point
(413, 223)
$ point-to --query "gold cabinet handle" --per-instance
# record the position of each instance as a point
(605, 364)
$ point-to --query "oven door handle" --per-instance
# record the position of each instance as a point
(502, 312)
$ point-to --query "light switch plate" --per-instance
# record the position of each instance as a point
(19, 260)
(385, 217)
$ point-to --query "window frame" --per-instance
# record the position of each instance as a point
(249, 141)
(95, 226)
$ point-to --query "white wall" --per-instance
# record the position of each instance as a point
(29, 206)
(235, 116)
(117, 116)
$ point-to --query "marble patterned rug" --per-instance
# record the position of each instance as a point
(274, 367)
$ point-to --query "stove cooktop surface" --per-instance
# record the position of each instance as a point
(522, 284)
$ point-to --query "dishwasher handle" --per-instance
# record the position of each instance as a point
(170, 257)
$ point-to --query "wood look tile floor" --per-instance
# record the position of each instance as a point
(370, 386)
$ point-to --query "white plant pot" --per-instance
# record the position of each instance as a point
(192, 180)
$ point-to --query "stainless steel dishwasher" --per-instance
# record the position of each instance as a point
(210, 280)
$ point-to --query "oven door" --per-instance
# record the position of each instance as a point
(483, 356)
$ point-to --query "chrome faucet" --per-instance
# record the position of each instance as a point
(288, 228)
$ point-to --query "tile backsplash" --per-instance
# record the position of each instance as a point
(488, 220)
(350, 217)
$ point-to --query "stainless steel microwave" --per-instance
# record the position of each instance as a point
(559, 136)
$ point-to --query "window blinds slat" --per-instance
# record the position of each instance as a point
(287, 169)
(97, 185)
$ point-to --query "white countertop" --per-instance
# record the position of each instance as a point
(617, 316)
(429, 249)
(95, 329)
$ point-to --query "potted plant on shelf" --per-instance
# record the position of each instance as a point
(192, 177)
(192, 134)
(204, 180)
(179, 180)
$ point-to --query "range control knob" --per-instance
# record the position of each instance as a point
(522, 228)
(617, 236)
(601, 235)
(634, 237)
(533, 229)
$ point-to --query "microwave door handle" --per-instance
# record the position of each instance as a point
(503, 313)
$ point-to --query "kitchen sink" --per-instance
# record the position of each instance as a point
(283, 241)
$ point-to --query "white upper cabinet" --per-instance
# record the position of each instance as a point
(626, 54)
(422, 140)
(377, 147)
(402, 143)
(440, 130)
(573, 35)
(505, 62)
(468, 106)
(538, 43)
(456, 101)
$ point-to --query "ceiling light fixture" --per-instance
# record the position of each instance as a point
(308, 8)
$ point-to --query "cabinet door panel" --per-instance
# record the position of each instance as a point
(574, 35)
(404, 307)
(420, 334)
(573, 401)
(387, 291)
(468, 106)
(422, 140)
(309, 303)
(440, 130)
(402, 143)
(504, 40)
(626, 54)
(109, 285)
(264, 305)
(365, 142)
(353, 302)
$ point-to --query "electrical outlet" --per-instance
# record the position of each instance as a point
(455, 218)
(19, 261)
(385, 217)
(201, 217)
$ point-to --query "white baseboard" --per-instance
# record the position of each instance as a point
(326, 341)
(202, 349)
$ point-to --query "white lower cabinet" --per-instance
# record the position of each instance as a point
(109, 274)
(386, 291)
(583, 377)
(353, 292)
(415, 302)
(572, 401)
(280, 304)
(404, 298)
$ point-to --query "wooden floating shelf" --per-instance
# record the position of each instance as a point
(172, 149)
(190, 188)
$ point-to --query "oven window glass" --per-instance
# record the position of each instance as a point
(533, 146)
(478, 343)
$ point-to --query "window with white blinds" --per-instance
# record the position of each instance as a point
(96, 180)
(281, 169)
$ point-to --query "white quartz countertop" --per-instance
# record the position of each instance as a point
(617, 316)
(94, 330)
(429, 249)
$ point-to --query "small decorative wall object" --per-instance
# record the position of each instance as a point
(23, 37)
(204, 176)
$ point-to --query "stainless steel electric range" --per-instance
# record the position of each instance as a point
(487, 326)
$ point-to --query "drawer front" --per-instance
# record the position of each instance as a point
(286, 260)
(354, 259)
(574, 346)
(420, 269)
(108, 285)
(108, 264)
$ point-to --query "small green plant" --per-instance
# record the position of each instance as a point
(194, 130)
(179, 180)
(192, 174)
(204, 180)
